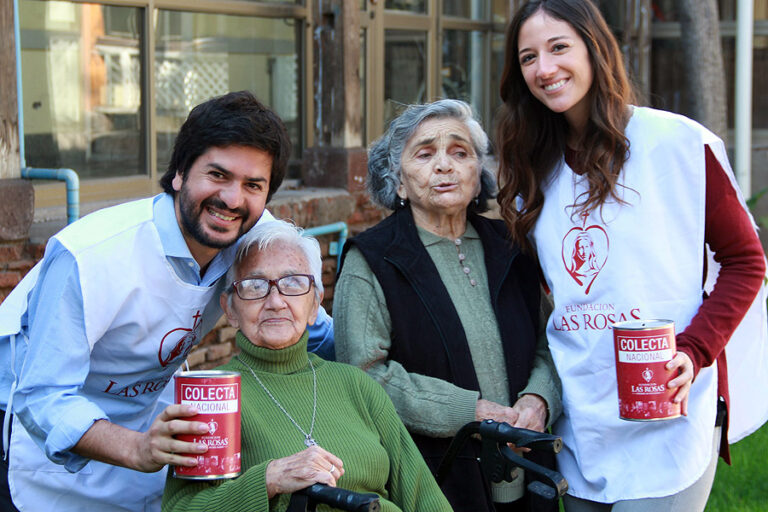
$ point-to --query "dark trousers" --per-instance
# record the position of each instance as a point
(515, 506)
(6, 503)
(528, 503)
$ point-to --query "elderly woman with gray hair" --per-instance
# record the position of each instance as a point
(304, 420)
(438, 305)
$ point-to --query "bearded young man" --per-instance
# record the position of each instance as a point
(91, 337)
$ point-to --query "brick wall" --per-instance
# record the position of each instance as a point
(16, 259)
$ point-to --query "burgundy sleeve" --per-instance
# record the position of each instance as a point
(730, 235)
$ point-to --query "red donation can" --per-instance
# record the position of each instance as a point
(216, 395)
(643, 348)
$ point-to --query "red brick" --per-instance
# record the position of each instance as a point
(36, 251)
(220, 351)
(10, 252)
(9, 279)
(210, 338)
(356, 218)
(221, 322)
(22, 266)
(329, 266)
(196, 357)
(324, 243)
(227, 334)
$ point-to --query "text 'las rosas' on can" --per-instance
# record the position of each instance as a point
(216, 396)
(643, 348)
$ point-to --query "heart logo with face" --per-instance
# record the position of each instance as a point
(585, 250)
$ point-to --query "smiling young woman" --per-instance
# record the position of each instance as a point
(618, 202)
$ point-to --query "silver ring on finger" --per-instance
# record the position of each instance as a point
(333, 468)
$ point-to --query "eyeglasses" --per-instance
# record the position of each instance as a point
(257, 288)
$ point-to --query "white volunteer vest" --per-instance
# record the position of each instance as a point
(643, 260)
(141, 321)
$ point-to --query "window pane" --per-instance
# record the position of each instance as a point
(669, 89)
(759, 81)
(462, 73)
(666, 10)
(199, 56)
(500, 11)
(497, 66)
(403, 50)
(419, 6)
(759, 84)
(81, 81)
(363, 75)
(761, 9)
(474, 9)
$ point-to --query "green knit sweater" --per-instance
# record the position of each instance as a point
(355, 421)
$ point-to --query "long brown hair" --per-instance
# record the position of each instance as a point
(531, 138)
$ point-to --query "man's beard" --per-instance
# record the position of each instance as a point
(190, 220)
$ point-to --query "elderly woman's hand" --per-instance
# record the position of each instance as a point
(300, 470)
(530, 412)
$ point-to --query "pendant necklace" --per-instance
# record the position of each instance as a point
(308, 439)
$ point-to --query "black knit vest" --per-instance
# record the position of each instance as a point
(427, 335)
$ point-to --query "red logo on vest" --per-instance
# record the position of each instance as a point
(585, 250)
(178, 342)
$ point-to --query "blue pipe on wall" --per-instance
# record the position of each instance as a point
(67, 175)
(327, 229)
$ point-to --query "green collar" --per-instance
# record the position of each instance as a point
(261, 359)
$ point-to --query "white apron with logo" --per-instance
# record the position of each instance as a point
(643, 259)
(141, 321)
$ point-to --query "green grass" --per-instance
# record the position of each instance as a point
(743, 487)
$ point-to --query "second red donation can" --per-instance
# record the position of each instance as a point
(643, 348)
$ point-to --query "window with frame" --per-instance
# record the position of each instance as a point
(418, 51)
(89, 79)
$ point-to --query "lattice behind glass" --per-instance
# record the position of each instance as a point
(183, 81)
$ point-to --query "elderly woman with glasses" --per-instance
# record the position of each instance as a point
(304, 420)
(438, 305)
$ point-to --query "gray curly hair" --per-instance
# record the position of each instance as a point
(384, 154)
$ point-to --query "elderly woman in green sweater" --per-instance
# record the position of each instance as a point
(304, 420)
(438, 305)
